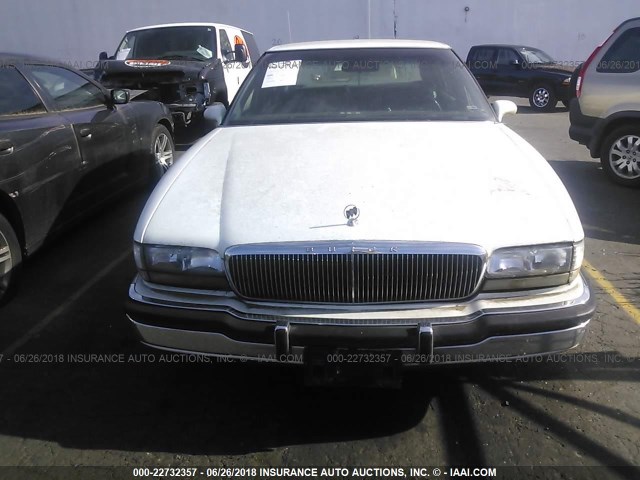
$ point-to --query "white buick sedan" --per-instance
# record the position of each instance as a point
(361, 199)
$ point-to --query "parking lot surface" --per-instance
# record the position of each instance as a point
(78, 389)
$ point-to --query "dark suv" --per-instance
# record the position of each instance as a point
(519, 71)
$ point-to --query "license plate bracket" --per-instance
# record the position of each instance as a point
(352, 367)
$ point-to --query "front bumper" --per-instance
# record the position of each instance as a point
(485, 328)
(184, 113)
(186, 109)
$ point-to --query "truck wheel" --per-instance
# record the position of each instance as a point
(620, 156)
(542, 98)
(162, 151)
(10, 260)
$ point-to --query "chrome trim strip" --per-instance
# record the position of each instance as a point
(365, 246)
(584, 297)
(281, 338)
(530, 345)
(497, 348)
(425, 340)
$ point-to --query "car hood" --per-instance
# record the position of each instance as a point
(554, 68)
(469, 182)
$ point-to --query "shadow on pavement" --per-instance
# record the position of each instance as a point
(196, 409)
(215, 409)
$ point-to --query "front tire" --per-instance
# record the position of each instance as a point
(542, 98)
(620, 156)
(162, 151)
(10, 260)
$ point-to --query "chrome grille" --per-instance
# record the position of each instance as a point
(348, 274)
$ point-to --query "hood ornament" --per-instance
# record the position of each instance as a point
(351, 213)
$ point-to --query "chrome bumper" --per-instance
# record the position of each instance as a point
(488, 328)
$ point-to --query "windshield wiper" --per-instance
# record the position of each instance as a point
(179, 57)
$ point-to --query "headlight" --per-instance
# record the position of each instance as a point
(187, 267)
(538, 266)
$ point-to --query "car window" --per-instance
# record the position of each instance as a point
(127, 44)
(624, 55)
(482, 57)
(359, 85)
(484, 54)
(254, 52)
(535, 55)
(68, 90)
(195, 43)
(16, 95)
(506, 56)
(225, 47)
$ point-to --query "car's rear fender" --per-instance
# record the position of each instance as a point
(610, 123)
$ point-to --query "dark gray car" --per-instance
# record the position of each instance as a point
(67, 145)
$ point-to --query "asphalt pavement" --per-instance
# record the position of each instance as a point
(78, 389)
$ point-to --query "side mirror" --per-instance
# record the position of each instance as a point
(214, 114)
(240, 53)
(103, 56)
(504, 107)
(120, 97)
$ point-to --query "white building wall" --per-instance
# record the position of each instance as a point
(77, 30)
(568, 30)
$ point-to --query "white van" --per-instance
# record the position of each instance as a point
(187, 66)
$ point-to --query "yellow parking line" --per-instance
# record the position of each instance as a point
(612, 291)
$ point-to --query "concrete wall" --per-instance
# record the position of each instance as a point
(569, 30)
(77, 30)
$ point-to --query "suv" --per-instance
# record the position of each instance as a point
(187, 66)
(605, 116)
(519, 71)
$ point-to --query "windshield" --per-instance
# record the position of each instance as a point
(359, 85)
(533, 55)
(182, 43)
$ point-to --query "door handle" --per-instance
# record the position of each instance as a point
(6, 148)
(85, 132)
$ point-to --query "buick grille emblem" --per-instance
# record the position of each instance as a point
(351, 213)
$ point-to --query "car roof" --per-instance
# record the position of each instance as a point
(358, 43)
(505, 45)
(188, 24)
(634, 19)
(7, 58)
